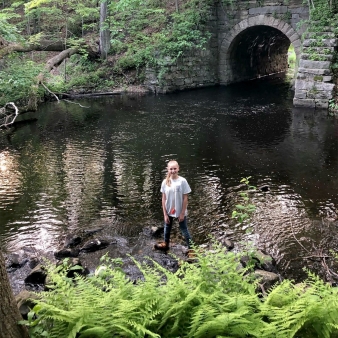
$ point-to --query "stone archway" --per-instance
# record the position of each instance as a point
(255, 47)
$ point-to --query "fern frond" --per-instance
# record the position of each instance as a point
(94, 332)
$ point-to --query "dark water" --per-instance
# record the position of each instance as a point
(102, 166)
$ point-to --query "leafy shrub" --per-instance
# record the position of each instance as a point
(171, 33)
(18, 82)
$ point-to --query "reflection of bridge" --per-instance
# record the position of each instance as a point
(248, 42)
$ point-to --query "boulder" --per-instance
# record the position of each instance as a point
(63, 253)
(94, 245)
(266, 262)
(15, 261)
(36, 276)
(25, 302)
(156, 231)
(267, 279)
(72, 240)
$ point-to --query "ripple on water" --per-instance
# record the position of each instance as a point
(78, 168)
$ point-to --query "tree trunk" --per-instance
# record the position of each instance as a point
(9, 313)
(104, 30)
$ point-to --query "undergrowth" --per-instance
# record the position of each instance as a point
(142, 33)
(18, 81)
(213, 297)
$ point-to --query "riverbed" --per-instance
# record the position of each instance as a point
(99, 162)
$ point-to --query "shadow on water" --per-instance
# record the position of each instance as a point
(77, 168)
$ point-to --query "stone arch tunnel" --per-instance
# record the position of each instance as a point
(248, 42)
(257, 51)
(256, 47)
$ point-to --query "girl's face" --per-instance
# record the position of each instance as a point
(173, 169)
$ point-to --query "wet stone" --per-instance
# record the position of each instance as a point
(156, 231)
(74, 266)
(266, 262)
(95, 244)
(63, 253)
(72, 240)
(249, 261)
(267, 279)
(90, 232)
(264, 188)
(36, 276)
(15, 261)
(33, 262)
(227, 243)
(24, 302)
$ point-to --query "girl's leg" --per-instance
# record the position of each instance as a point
(167, 230)
(185, 232)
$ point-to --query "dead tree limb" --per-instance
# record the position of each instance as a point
(40, 46)
(8, 118)
(49, 91)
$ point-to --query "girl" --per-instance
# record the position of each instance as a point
(175, 190)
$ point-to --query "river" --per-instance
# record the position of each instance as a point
(100, 162)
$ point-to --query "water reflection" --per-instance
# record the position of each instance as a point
(75, 167)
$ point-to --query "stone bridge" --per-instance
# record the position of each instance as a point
(249, 41)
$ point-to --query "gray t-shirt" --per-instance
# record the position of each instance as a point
(174, 195)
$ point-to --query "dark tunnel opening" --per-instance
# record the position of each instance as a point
(258, 51)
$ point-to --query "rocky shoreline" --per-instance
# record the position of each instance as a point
(26, 268)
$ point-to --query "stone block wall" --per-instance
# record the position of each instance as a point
(198, 68)
(314, 87)
(193, 70)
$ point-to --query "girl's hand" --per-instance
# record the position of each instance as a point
(181, 218)
(166, 219)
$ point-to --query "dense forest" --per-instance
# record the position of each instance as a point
(99, 45)
(50, 48)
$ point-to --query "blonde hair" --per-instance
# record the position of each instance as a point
(168, 179)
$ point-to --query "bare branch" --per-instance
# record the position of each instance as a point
(6, 118)
(49, 91)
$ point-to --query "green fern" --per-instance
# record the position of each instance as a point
(213, 298)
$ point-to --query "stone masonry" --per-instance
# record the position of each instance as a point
(314, 87)
(248, 41)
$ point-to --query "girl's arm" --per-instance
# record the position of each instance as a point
(184, 208)
(166, 217)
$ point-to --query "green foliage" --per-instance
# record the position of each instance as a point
(213, 298)
(287, 16)
(81, 74)
(61, 19)
(201, 300)
(333, 107)
(143, 32)
(8, 31)
(291, 56)
(243, 211)
(18, 81)
(309, 309)
(321, 13)
(171, 33)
